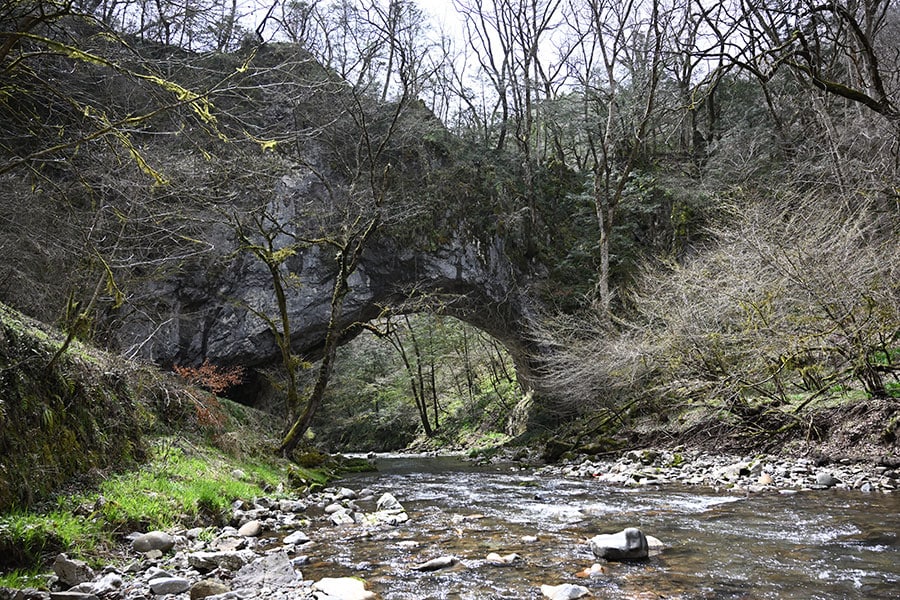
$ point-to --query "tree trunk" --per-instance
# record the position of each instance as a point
(605, 210)
(332, 337)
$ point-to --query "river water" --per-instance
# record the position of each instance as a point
(813, 544)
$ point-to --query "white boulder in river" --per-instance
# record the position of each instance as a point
(566, 591)
(343, 588)
(628, 544)
(435, 564)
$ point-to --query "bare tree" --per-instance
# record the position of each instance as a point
(419, 386)
(71, 146)
(266, 238)
(368, 186)
(507, 39)
(619, 69)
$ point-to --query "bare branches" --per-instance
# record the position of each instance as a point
(841, 48)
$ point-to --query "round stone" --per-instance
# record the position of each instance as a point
(169, 585)
(208, 587)
(250, 529)
(153, 540)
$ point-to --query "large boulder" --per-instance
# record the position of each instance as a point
(628, 544)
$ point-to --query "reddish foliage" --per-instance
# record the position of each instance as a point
(210, 413)
(210, 377)
(215, 380)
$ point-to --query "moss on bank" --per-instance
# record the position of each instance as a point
(185, 483)
(83, 413)
(93, 447)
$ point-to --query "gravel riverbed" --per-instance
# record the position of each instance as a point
(753, 474)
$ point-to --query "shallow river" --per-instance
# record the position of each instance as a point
(821, 544)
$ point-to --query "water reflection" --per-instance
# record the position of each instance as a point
(810, 545)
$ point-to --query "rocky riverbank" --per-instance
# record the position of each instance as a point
(753, 474)
(280, 548)
(259, 556)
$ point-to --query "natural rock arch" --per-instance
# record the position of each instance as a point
(449, 243)
(202, 314)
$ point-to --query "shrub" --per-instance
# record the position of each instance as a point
(794, 299)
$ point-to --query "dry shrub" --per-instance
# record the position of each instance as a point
(589, 365)
(797, 296)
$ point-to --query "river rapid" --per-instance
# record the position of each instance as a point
(812, 544)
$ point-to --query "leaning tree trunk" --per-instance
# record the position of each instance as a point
(348, 260)
(332, 337)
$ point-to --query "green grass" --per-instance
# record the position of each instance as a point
(22, 578)
(183, 487)
(183, 484)
(28, 538)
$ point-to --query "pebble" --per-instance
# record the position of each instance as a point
(387, 501)
(595, 570)
(108, 584)
(826, 479)
(298, 537)
(566, 591)
(153, 540)
(499, 561)
(72, 596)
(208, 587)
(333, 508)
(436, 564)
(250, 529)
(71, 572)
(343, 588)
(169, 585)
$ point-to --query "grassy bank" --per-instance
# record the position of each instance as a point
(93, 448)
(184, 483)
(187, 481)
